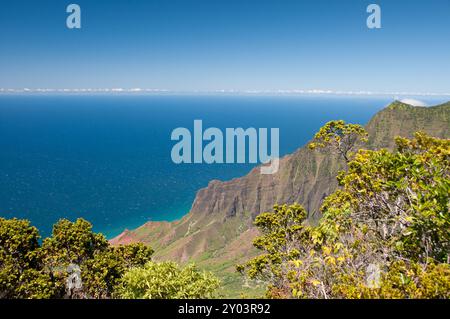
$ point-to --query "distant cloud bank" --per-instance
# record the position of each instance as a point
(230, 91)
(86, 90)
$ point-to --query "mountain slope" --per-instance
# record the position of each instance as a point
(218, 231)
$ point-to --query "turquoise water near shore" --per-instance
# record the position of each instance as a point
(107, 158)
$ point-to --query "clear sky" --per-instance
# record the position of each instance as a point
(226, 44)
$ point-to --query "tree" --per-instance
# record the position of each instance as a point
(72, 243)
(167, 280)
(385, 233)
(282, 232)
(28, 270)
(101, 266)
(22, 272)
(402, 198)
(339, 137)
(103, 272)
(133, 255)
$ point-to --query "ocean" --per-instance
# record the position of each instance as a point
(107, 158)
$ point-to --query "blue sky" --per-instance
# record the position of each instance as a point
(228, 44)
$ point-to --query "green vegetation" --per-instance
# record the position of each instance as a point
(21, 265)
(385, 233)
(339, 137)
(167, 280)
(75, 262)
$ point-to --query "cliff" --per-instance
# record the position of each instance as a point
(218, 231)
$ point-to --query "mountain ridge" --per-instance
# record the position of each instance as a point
(218, 231)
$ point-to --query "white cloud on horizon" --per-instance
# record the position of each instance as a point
(398, 95)
(414, 102)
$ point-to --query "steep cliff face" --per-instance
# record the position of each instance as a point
(224, 211)
(218, 231)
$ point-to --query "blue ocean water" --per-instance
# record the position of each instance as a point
(107, 158)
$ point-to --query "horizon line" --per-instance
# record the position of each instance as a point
(218, 91)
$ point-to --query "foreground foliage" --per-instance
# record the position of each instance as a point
(385, 233)
(21, 263)
(167, 280)
(75, 262)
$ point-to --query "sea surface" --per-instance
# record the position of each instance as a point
(107, 158)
